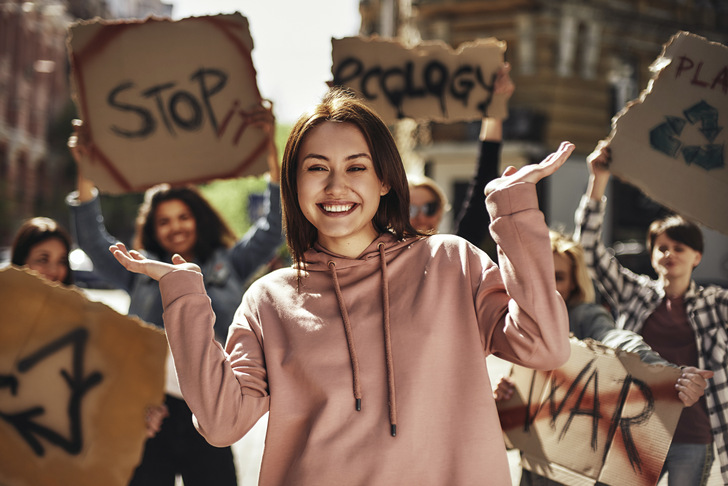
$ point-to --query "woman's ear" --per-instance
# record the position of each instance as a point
(384, 190)
(698, 259)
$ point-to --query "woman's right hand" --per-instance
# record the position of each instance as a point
(135, 262)
(79, 147)
(598, 162)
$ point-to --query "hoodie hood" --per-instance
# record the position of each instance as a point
(317, 258)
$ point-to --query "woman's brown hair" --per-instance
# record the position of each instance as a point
(339, 105)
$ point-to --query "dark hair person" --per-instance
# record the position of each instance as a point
(374, 343)
(179, 220)
(43, 245)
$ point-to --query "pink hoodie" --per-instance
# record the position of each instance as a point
(401, 331)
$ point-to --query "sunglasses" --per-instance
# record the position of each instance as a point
(429, 209)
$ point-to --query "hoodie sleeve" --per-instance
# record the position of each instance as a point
(533, 326)
(227, 393)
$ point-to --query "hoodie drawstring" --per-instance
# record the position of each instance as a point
(388, 344)
(349, 338)
(392, 402)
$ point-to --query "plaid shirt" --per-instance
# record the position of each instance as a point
(634, 297)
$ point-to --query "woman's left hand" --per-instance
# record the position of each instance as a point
(532, 172)
(153, 419)
(691, 384)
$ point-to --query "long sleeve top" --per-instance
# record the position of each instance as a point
(226, 271)
(472, 220)
(402, 331)
(634, 297)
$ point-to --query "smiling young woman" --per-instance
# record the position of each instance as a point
(374, 342)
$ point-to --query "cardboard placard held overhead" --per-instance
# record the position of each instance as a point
(671, 143)
(604, 416)
(430, 81)
(167, 101)
(76, 378)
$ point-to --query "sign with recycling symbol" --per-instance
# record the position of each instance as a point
(670, 142)
(666, 137)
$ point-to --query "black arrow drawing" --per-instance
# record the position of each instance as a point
(79, 385)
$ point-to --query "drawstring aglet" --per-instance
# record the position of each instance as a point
(358, 404)
(394, 430)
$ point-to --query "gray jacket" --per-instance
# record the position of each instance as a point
(226, 272)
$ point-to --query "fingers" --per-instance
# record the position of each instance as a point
(177, 259)
(691, 384)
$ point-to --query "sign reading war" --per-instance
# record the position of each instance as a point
(672, 143)
(76, 378)
(603, 417)
(430, 81)
(167, 101)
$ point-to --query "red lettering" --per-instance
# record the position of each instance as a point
(684, 65)
(697, 73)
(722, 80)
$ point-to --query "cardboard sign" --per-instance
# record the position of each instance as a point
(428, 82)
(672, 142)
(167, 101)
(604, 416)
(76, 378)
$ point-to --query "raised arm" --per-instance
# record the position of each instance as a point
(472, 221)
(261, 242)
(87, 221)
(532, 323)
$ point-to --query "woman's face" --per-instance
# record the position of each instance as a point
(425, 211)
(564, 274)
(672, 259)
(50, 259)
(338, 188)
(175, 228)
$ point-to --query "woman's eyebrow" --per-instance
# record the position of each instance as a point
(348, 157)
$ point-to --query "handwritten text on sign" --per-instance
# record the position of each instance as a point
(672, 142)
(427, 82)
(189, 121)
(602, 416)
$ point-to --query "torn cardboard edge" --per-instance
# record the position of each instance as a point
(697, 186)
(427, 81)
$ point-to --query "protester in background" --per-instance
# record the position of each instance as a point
(178, 220)
(42, 245)
(339, 349)
(472, 221)
(590, 320)
(428, 204)
(684, 322)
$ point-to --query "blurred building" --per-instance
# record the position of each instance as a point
(575, 65)
(35, 104)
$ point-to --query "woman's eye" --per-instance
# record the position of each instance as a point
(357, 168)
(316, 168)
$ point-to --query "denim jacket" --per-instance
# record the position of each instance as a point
(225, 273)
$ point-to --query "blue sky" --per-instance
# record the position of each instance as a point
(292, 53)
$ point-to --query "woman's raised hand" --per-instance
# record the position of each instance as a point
(135, 262)
(532, 172)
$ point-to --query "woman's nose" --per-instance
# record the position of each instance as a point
(335, 182)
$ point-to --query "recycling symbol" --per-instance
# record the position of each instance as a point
(664, 137)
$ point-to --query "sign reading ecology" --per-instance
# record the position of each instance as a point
(76, 378)
(430, 81)
(604, 416)
(167, 101)
(671, 142)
